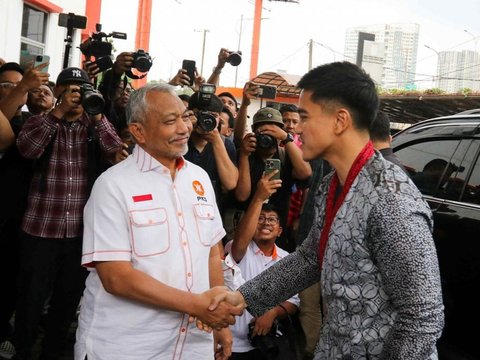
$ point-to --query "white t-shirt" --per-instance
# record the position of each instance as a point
(253, 263)
(164, 228)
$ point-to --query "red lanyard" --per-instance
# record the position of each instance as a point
(332, 205)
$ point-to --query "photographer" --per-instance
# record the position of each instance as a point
(270, 141)
(116, 90)
(208, 148)
(68, 147)
(254, 250)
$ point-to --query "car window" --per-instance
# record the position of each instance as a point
(472, 190)
(438, 167)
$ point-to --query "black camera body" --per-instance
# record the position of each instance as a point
(205, 120)
(265, 343)
(142, 61)
(100, 48)
(92, 101)
(265, 141)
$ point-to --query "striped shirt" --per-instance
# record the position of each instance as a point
(59, 187)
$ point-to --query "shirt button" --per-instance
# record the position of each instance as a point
(70, 179)
(69, 195)
(68, 212)
(189, 274)
(183, 329)
(179, 213)
(184, 243)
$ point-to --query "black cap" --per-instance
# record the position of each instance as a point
(216, 105)
(72, 74)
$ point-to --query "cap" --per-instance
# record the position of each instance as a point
(267, 115)
(215, 105)
(230, 95)
(72, 74)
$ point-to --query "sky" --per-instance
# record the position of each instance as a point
(177, 31)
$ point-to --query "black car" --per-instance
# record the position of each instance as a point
(442, 157)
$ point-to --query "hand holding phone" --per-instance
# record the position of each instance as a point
(267, 92)
(190, 67)
(28, 61)
(271, 165)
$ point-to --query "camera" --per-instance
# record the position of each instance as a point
(98, 47)
(265, 141)
(142, 61)
(235, 58)
(205, 120)
(265, 343)
(92, 101)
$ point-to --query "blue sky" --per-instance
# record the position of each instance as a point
(177, 26)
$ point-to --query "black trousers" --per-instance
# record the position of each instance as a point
(9, 265)
(48, 267)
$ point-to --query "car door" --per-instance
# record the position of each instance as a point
(451, 186)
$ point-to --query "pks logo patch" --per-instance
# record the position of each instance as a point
(198, 187)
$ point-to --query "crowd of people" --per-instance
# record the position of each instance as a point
(156, 219)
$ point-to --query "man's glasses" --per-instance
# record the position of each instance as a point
(272, 220)
(8, 85)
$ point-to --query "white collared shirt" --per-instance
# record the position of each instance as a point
(253, 263)
(165, 228)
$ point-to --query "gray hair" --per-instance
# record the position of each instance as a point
(137, 103)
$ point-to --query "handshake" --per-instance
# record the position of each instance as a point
(216, 308)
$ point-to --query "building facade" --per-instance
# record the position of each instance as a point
(33, 26)
(400, 44)
(458, 70)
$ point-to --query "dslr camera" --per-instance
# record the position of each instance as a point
(142, 61)
(265, 343)
(92, 101)
(205, 120)
(265, 141)
(234, 58)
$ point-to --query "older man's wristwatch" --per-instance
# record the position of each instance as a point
(288, 139)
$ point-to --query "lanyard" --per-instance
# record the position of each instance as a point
(333, 204)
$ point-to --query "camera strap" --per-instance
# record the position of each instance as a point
(133, 76)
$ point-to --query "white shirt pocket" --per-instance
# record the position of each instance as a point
(204, 216)
(150, 231)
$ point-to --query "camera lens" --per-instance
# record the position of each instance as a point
(234, 58)
(92, 100)
(265, 141)
(206, 121)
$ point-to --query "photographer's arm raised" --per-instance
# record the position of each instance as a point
(13, 102)
(222, 59)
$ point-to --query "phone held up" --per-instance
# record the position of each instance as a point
(271, 165)
(267, 92)
(27, 60)
(189, 66)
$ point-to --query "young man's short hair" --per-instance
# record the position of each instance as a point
(346, 84)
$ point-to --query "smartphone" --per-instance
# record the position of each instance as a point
(189, 66)
(26, 60)
(267, 92)
(72, 20)
(273, 164)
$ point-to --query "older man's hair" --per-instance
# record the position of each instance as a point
(137, 103)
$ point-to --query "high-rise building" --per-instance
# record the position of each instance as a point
(400, 42)
(457, 70)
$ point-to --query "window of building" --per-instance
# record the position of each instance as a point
(33, 30)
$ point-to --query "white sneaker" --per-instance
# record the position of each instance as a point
(7, 350)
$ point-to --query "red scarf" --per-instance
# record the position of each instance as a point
(332, 205)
